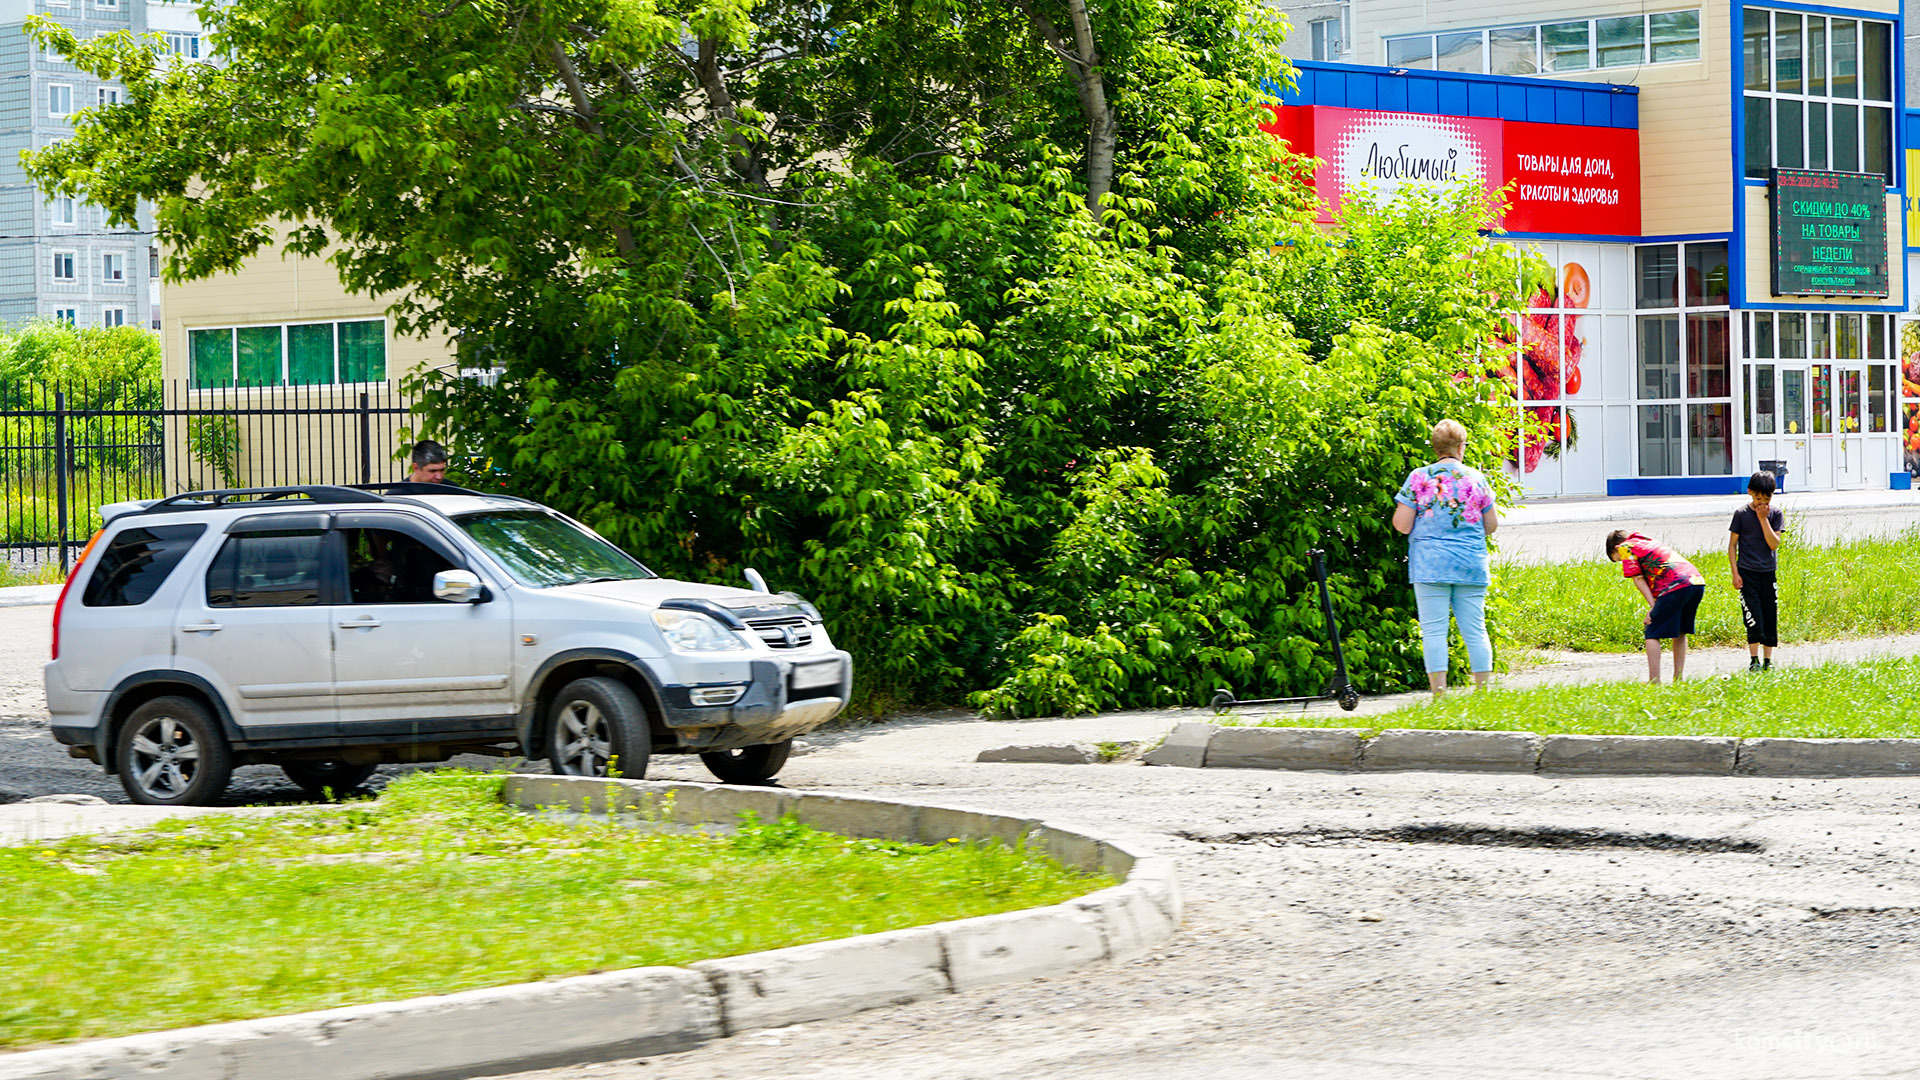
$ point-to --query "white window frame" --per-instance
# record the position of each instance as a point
(107, 5)
(68, 315)
(111, 317)
(286, 350)
(182, 43)
(107, 276)
(1679, 310)
(1826, 100)
(64, 211)
(1318, 31)
(73, 266)
(53, 97)
(101, 96)
(1539, 46)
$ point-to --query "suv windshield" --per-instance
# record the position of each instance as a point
(541, 549)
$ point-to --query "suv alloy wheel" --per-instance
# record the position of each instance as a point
(172, 754)
(597, 727)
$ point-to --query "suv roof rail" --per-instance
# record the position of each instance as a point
(415, 487)
(224, 497)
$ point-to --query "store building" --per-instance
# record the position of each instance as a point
(1717, 194)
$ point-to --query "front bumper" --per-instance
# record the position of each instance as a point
(770, 710)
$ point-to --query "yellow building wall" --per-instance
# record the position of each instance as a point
(295, 434)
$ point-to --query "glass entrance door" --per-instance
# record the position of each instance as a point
(1849, 450)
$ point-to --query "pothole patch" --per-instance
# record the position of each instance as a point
(1539, 836)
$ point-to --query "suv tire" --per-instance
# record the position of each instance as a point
(323, 778)
(595, 724)
(171, 753)
(749, 765)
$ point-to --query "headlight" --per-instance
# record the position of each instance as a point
(692, 632)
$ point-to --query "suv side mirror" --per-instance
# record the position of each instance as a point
(459, 586)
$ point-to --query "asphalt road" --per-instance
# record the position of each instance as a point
(1705, 928)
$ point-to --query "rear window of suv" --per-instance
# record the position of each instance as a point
(137, 562)
(542, 549)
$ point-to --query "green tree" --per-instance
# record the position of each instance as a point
(1000, 330)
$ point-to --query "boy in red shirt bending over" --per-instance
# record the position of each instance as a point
(1671, 587)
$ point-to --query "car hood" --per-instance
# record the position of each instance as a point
(649, 592)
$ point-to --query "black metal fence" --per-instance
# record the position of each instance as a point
(67, 449)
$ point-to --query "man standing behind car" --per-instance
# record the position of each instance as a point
(429, 463)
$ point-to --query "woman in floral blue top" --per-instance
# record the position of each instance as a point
(1447, 512)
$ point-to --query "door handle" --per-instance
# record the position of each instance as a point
(202, 627)
(368, 623)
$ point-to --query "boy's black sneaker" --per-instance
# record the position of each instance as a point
(1766, 665)
(1753, 664)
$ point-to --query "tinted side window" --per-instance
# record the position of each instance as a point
(136, 563)
(266, 569)
(386, 566)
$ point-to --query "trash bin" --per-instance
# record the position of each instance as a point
(1779, 470)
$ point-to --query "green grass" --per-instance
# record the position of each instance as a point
(1866, 588)
(1877, 699)
(437, 887)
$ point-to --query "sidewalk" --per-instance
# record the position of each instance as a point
(1567, 530)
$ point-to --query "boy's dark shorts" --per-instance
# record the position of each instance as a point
(1672, 614)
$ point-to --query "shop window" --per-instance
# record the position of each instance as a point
(1414, 52)
(1820, 378)
(1459, 52)
(1565, 46)
(1849, 400)
(1708, 363)
(1554, 48)
(1620, 42)
(1660, 440)
(1760, 339)
(1684, 373)
(1819, 93)
(1760, 399)
(1673, 35)
(257, 355)
(1514, 51)
(1706, 275)
(1877, 383)
(1710, 439)
(1756, 49)
(1793, 335)
(1877, 338)
(1793, 401)
(1656, 276)
(1659, 359)
(1786, 52)
(1819, 336)
(1846, 337)
(302, 354)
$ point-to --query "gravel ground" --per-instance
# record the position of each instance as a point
(1338, 927)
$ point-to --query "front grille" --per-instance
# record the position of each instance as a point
(786, 632)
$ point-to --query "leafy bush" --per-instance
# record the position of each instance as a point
(1034, 369)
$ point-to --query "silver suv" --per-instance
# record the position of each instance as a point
(327, 630)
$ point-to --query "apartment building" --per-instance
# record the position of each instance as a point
(58, 257)
(1717, 194)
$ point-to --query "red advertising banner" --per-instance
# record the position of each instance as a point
(1566, 178)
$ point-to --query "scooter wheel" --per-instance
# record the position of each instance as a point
(1349, 698)
(1222, 700)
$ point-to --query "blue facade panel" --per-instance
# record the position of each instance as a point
(1435, 93)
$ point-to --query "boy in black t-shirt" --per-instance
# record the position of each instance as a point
(1753, 537)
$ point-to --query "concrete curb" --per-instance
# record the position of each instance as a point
(29, 595)
(1403, 749)
(657, 1010)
